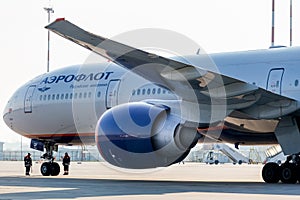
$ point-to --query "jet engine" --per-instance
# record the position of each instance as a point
(141, 135)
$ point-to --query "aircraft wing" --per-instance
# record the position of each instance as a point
(182, 78)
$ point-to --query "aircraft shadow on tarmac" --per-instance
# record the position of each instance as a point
(76, 188)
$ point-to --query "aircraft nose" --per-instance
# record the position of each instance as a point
(7, 114)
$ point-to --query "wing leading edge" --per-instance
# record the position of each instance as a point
(209, 87)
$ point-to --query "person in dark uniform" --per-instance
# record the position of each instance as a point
(66, 163)
(27, 163)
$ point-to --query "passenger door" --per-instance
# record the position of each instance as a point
(28, 99)
(112, 93)
(274, 82)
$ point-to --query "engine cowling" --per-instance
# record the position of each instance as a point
(141, 135)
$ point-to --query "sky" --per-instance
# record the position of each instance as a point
(216, 25)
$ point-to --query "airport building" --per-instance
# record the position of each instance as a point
(89, 153)
(206, 153)
(1, 150)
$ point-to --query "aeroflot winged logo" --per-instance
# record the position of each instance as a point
(43, 89)
(78, 77)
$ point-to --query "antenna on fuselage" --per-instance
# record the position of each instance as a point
(49, 10)
(291, 22)
(273, 24)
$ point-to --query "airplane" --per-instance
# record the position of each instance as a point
(143, 110)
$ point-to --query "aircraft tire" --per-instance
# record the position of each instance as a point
(298, 172)
(55, 169)
(288, 173)
(271, 173)
(46, 169)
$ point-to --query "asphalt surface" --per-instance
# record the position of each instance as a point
(185, 181)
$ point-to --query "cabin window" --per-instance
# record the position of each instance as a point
(57, 97)
(148, 91)
(80, 95)
(133, 92)
(158, 91)
(45, 97)
(98, 94)
(67, 96)
(62, 96)
(41, 97)
(153, 91)
(71, 95)
(143, 91)
(296, 82)
(138, 92)
(53, 97)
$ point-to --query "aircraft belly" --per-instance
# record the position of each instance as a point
(248, 125)
(66, 138)
(241, 131)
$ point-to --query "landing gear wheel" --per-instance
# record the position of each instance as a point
(298, 172)
(288, 173)
(55, 169)
(50, 168)
(270, 173)
(46, 169)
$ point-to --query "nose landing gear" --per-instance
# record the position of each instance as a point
(49, 168)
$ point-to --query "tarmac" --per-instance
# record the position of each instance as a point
(97, 180)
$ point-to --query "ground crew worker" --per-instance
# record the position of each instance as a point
(66, 163)
(27, 163)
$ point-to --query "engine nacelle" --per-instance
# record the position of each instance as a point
(141, 135)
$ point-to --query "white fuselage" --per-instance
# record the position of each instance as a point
(67, 103)
(64, 105)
